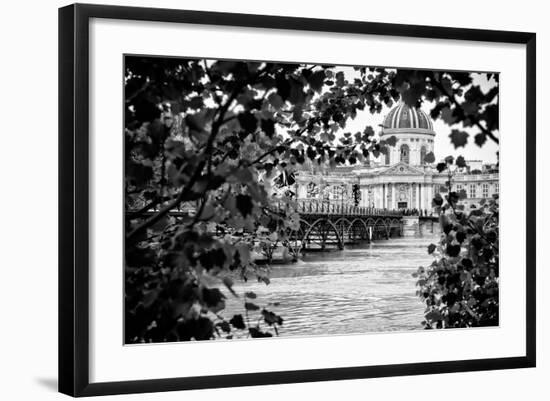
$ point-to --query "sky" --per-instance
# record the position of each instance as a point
(442, 143)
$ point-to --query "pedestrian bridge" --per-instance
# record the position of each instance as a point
(331, 225)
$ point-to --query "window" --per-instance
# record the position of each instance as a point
(472, 193)
(387, 156)
(422, 155)
(496, 187)
(459, 188)
(404, 154)
(485, 190)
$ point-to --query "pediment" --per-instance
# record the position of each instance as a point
(402, 169)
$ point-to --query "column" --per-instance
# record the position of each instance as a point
(429, 197)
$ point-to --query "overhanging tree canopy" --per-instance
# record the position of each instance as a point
(213, 133)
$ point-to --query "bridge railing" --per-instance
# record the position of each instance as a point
(320, 207)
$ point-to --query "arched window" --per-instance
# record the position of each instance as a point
(404, 154)
(423, 155)
(387, 157)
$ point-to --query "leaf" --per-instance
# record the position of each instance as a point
(340, 79)
(195, 121)
(276, 101)
(316, 80)
(248, 122)
(283, 86)
(212, 296)
(263, 279)
(453, 197)
(149, 297)
(199, 329)
(242, 175)
(250, 295)
(226, 328)
(441, 167)
(437, 200)
(392, 140)
(447, 116)
(431, 248)
(255, 332)
(480, 139)
(228, 282)
(459, 138)
(271, 318)
(476, 212)
(244, 204)
(244, 253)
(453, 250)
(215, 181)
(429, 158)
(250, 306)
(268, 127)
(433, 315)
(214, 299)
(213, 257)
(297, 95)
(237, 321)
(460, 162)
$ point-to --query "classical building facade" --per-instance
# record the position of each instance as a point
(403, 178)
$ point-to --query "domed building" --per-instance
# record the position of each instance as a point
(403, 178)
(414, 132)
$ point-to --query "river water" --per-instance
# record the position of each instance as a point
(361, 289)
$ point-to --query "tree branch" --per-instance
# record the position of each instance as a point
(198, 171)
(457, 104)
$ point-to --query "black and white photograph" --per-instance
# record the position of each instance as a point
(275, 201)
(265, 199)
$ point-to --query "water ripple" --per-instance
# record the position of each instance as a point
(358, 290)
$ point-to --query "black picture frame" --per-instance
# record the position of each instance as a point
(74, 198)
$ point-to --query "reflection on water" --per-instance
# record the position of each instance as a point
(357, 290)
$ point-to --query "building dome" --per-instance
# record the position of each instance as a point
(405, 119)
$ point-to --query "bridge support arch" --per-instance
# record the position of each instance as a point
(320, 231)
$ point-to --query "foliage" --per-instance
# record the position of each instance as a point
(461, 286)
(207, 138)
(457, 99)
(204, 140)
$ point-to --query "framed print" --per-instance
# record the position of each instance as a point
(276, 199)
